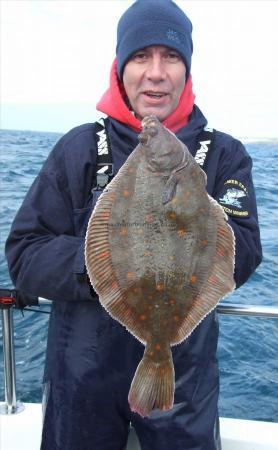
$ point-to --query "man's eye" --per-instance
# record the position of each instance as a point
(140, 56)
(173, 56)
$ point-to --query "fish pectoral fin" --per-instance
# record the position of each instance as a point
(153, 385)
(170, 188)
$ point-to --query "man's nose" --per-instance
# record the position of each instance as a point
(156, 69)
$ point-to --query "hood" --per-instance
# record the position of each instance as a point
(112, 103)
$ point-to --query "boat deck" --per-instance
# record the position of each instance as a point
(23, 431)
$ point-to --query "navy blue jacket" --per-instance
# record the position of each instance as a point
(45, 253)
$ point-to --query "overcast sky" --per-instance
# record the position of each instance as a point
(56, 57)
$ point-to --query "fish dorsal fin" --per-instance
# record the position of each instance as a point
(219, 282)
(113, 293)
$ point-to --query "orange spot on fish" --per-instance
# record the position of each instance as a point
(111, 195)
(104, 255)
(221, 231)
(213, 280)
(125, 193)
(128, 312)
(142, 317)
(123, 231)
(148, 218)
(157, 346)
(114, 285)
(172, 301)
(221, 251)
(136, 290)
(172, 215)
(130, 275)
(193, 279)
(182, 232)
(176, 318)
(160, 287)
(150, 297)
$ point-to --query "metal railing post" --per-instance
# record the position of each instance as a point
(11, 405)
(268, 312)
(223, 308)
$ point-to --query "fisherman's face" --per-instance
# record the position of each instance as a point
(154, 79)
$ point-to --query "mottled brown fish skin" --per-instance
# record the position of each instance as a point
(160, 254)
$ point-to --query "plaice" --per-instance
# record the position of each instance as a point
(160, 254)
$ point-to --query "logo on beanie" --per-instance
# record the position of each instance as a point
(173, 36)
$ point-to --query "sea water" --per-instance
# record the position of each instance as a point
(247, 350)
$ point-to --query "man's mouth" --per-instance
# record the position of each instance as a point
(154, 94)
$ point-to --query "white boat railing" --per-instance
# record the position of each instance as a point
(12, 406)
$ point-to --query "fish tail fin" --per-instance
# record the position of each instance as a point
(152, 386)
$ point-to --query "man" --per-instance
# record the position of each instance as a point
(91, 359)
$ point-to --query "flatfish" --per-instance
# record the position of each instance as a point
(160, 254)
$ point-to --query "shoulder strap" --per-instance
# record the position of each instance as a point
(105, 167)
(204, 144)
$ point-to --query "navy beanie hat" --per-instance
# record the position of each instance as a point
(153, 22)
